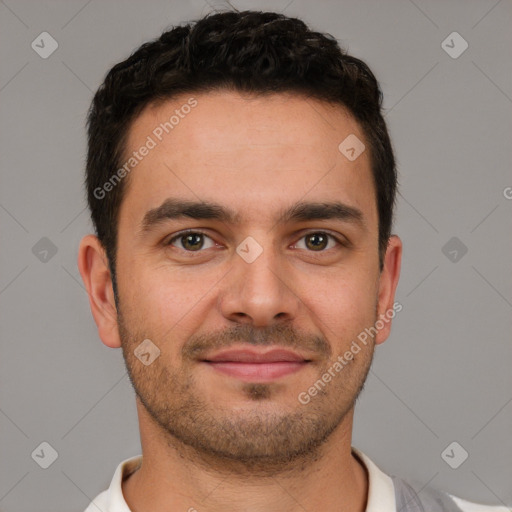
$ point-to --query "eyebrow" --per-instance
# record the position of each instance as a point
(179, 208)
(323, 211)
(172, 209)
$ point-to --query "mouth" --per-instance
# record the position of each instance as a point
(251, 365)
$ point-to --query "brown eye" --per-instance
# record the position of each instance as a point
(317, 241)
(192, 241)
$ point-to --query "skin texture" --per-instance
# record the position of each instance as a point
(212, 441)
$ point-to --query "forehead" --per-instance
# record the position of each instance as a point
(255, 152)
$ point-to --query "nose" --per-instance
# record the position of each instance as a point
(259, 292)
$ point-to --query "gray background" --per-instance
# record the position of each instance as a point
(443, 376)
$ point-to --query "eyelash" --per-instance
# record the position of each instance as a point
(199, 232)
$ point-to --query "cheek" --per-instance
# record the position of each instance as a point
(165, 301)
(342, 305)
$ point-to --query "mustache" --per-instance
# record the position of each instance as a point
(283, 335)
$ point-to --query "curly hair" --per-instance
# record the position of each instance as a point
(249, 51)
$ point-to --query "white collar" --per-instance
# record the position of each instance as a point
(381, 491)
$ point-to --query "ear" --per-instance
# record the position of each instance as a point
(93, 266)
(388, 281)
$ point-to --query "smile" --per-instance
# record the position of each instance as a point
(254, 366)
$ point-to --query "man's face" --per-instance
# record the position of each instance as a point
(305, 281)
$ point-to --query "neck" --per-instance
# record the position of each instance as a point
(173, 476)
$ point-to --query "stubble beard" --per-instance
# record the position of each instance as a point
(263, 441)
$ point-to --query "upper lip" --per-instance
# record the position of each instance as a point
(253, 356)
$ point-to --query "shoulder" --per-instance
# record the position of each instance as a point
(389, 493)
(468, 506)
(434, 500)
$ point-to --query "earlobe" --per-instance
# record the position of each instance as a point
(93, 267)
(388, 282)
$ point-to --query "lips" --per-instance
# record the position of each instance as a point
(250, 356)
(255, 366)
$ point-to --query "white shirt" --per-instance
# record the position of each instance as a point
(381, 491)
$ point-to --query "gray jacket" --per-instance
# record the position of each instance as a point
(426, 500)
